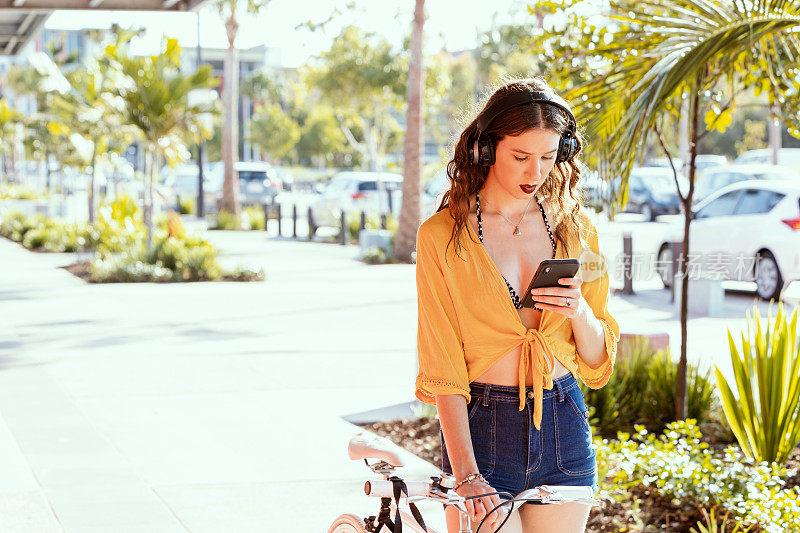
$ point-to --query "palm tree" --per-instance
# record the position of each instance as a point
(89, 117)
(228, 9)
(9, 121)
(415, 134)
(671, 53)
(155, 99)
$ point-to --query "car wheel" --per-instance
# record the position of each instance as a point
(647, 211)
(769, 281)
(664, 265)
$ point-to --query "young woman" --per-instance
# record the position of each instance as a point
(503, 376)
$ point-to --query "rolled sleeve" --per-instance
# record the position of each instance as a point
(440, 351)
(596, 293)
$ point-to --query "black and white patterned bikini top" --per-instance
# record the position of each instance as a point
(514, 297)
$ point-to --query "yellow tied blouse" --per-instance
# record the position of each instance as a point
(467, 321)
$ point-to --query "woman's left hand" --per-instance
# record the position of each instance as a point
(567, 300)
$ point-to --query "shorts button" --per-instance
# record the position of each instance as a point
(530, 395)
(586, 414)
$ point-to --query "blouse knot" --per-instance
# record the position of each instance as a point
(537, 356)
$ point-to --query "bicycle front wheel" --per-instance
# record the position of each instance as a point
(348, 523)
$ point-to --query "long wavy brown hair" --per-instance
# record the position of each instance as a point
(561, 186)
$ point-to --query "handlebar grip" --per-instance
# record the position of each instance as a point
(383, 489)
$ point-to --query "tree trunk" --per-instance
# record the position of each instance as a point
(230, 127)
(90, 188)
(681, 402)
(147, 192)
(775, 140)
(405, 240)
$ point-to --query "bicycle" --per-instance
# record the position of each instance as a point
(391, 489)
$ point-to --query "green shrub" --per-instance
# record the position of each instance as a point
(375, 255)
(676, 464)
(15, 225)
(353, 222)
(187, 205)
(170, 259)
(642, 391)
(226, 221)
(424, 410)
(711, 525)
(18, 192)
(123, 207)
(254, 217)
(765, 417)
(127, 267)
(662, 392)
(243, 273)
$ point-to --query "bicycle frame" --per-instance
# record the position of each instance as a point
(391, 489)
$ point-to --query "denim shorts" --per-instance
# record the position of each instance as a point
(513, 455)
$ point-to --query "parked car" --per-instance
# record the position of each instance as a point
(746, 231)
(789, 157)
(715, 178)
(651, 192)
(595, 190)
(704, 161)
(433, 191)
(182, 181)
(285, 177)
(354, 191)
(258, 182)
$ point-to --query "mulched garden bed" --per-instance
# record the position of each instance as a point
(655, 513)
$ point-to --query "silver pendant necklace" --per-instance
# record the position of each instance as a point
(517, 232)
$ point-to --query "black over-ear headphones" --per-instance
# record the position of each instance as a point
(482, 152)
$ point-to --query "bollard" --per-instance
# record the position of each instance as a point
(294, 220)
(265, 207)
(363, 220)
(677, 258)
(311, 229)
(383, 220)
(343, 231)
(389, 194)
(627, 258)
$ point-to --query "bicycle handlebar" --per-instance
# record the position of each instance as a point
(384, 489)
(549, 493)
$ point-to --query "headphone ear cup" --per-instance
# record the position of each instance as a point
(486, 149)
(567, 148)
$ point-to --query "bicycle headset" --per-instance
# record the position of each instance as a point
(482, 152)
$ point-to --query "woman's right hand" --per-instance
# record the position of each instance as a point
(477, 508)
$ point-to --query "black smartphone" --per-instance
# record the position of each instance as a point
(548, 274)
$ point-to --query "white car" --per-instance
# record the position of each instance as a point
(354, 191)
(746, 231)
(433, 191)
(713, 179)
(789, 157)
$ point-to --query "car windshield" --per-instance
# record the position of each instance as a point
(252, 175)
(775, 174)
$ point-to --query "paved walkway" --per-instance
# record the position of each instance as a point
(216, 407)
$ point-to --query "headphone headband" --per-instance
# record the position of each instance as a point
(522, 98)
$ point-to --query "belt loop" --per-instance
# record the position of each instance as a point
(486, 390)
(560, 387)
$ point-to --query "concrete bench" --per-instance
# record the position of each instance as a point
(367, 238)
(659, 340)
(706, 296)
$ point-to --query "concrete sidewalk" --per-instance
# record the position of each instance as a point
(217, 406)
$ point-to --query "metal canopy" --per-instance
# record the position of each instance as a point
(21, 20)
